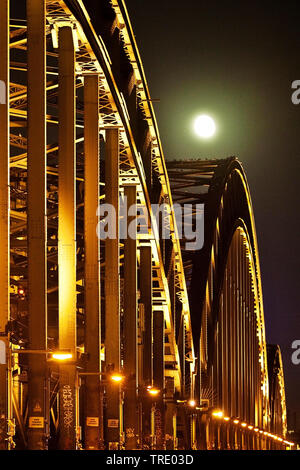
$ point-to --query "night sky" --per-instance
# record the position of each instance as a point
(236, 61)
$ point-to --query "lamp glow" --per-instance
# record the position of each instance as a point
(117, 378)
(192, 403)
(61, 356)
(218, 414)
(153, 391)
(204, 126)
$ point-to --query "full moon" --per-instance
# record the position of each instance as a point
(204, 126)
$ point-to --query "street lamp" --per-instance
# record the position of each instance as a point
(192, 403)
(153, 391)
(218, 414)
(60, 355)
(118, 378)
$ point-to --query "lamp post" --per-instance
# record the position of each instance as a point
(116, 378)
(39, 419)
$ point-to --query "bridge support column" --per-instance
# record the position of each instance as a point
(5, 373)
(36, 223)
(112, 292)
(147, 365)
(131, 411)
(68, 390)
(93, 403)
(158, 378)
(171, 414)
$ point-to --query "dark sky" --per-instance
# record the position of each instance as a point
(236, 61)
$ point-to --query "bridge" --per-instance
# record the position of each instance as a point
(116, 342)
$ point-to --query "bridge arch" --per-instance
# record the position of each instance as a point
(224, 285)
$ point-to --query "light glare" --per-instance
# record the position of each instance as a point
(218, 414)
(153, 391)
(204, 126)
(59, 356)
(117, 378)
(192, 403)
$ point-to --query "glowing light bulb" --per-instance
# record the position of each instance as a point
(218, 414)
(61, 356)
(117, 378)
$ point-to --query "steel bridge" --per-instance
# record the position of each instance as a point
(163, 346)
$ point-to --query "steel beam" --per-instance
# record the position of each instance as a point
(37, 223)
(112, 291)
(93, 402)
(171, 415)
(131, 411)
(5, 375)
(158, 377)
(147, 365)
(68, 421)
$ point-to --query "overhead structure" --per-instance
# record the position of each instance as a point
(146, 341)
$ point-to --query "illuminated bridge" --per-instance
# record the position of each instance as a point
(129, 342)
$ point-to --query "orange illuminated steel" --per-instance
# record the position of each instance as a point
(5, 378)
(67, 295)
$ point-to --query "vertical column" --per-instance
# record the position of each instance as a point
(93, 402)
(158, 377)
(130, 323)
(171, 414)
(5, 378)
(148, 167)
(36, 222)
(67, 238)
(146, 301)
(112, 290)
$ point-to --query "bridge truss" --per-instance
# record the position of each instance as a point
(164, 347)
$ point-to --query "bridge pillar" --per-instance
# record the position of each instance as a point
(93, 403)
(147, 362)
(68, 390)
(171, 414)
(114, 423)
(38, 388)
(158, 408)
(5, 373)
(131, 409)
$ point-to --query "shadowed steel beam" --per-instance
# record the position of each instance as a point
(36, 222)
(112, 289)
(5, 378)
(158, 377)
(67, 238)
(93, 404)
(130, 323)
(147, 367)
